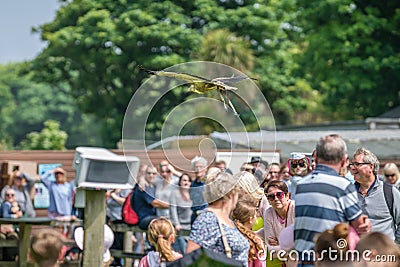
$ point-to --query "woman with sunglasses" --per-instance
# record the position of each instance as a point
(10, 207)
(279, 216)
(392, 174)
(299, 166)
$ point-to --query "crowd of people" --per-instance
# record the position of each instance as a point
(267, 214)
(309, 204)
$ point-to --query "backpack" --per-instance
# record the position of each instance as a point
(129, 216)
(387, 191)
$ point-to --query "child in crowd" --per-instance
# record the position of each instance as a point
(244, 216)
(377, 250)
(45, 247)
(332, 245)
(161, 234)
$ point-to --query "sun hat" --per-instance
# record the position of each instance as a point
(248, 182)
(218, 184)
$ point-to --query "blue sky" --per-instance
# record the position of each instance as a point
(17, 17)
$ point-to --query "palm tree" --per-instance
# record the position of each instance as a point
(225, 47)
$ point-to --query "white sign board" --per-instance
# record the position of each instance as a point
(42, 197)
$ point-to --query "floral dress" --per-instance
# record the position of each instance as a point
(206, 233)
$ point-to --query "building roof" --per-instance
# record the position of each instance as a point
(393, 113)
(384, 143)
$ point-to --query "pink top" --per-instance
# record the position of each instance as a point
(273, 225)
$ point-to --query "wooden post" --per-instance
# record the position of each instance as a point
(128, 247)
(25, 237)
(95, 218)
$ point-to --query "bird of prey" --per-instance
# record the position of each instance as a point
(202, 85)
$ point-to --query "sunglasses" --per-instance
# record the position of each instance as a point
(390, 175)
(279, 195)
(151, 173)
(10, 195)
(301, 164)
(165, 171)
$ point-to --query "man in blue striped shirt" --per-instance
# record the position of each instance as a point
(324, 199)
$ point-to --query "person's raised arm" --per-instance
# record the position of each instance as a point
(119, 199)
(29, 180)
(45, 178)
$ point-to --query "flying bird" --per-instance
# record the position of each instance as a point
(202, 85)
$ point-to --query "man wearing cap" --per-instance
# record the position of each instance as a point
(61, 194)
(259, 169)
(259, 163)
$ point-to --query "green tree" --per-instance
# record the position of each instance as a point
(351, 54)
(26, 105)
(225, 47)
(94, 46)
(50, 138)
(7, 108)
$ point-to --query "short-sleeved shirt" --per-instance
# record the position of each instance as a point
(114, 209)
(206, 233)
(323, 199)
(142, 201)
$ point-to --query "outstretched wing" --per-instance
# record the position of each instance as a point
(231, 79)
(183, 76)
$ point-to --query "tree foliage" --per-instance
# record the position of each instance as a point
(352, 55)
(315, 60)
(50, 138)
(95, 47)
(26, 105)
(225, 47)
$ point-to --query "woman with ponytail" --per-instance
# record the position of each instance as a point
(244, 215)
(161, 234)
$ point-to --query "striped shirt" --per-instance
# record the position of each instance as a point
(323, 199)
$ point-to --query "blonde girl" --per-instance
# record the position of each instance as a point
(161, 234)
(244, 215)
